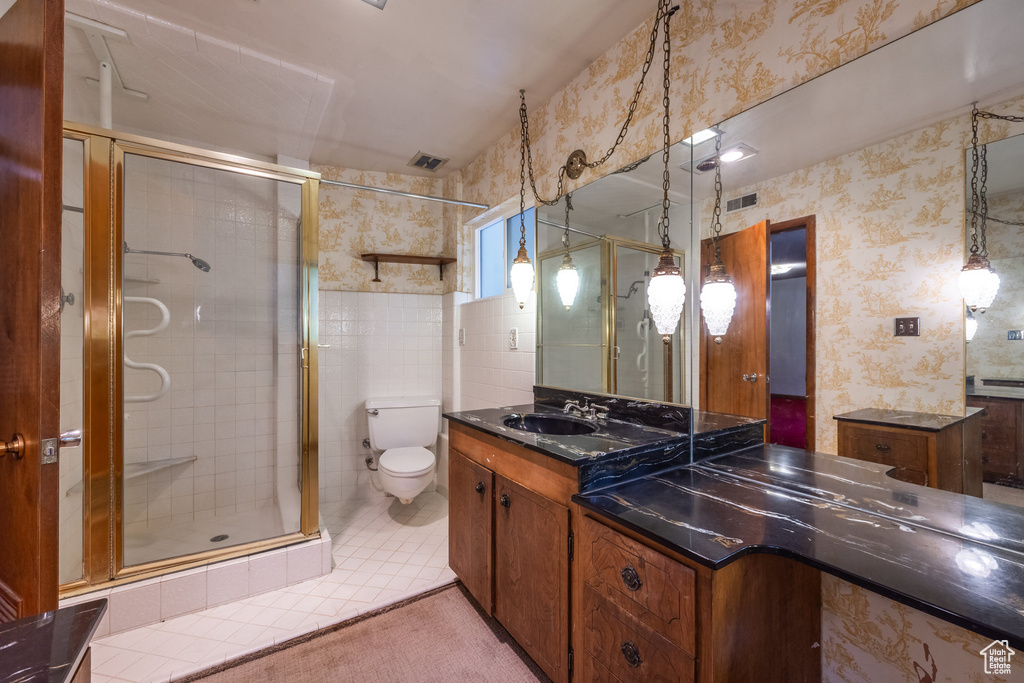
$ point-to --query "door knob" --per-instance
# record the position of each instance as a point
(71, 438)
(505, 500)
(15, 447)
(479, 487)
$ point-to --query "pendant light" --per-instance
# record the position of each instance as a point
(568, 278)
(978, 283)
(718, 296)
(666, 292)
(522, 269)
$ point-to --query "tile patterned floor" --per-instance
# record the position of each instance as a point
(383, 552)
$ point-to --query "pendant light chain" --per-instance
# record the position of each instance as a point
(979, 194)
(523, 146)
(716, 225)
(663, 224)
(568, 208)
(664, 12)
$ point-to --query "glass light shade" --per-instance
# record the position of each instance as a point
(978, 284)
(718, 300)
(568, 282)
(971, 326)
(522, 277)
(666, 295)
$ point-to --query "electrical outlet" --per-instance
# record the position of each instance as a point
(908, 327)
(1015, 335)
(462, 336)
(513, 338)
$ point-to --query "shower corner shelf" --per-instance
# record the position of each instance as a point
(377, 259)
(138, 469)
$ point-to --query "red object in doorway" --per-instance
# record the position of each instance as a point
(788, 421)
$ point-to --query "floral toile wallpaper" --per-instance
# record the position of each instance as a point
(355, 222)
(728, 56)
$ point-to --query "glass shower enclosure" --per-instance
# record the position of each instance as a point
(188, 357)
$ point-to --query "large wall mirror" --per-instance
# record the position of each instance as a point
(853, 186)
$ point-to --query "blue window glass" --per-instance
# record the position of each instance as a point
(512, 230)
(490, 258)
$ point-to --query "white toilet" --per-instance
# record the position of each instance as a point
(403, 428)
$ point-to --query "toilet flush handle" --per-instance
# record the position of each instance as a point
(372, 412)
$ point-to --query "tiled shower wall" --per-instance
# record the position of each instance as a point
(380, 345)
(231, 346)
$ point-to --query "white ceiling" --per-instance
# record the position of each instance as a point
(339, 81)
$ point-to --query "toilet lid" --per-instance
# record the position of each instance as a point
(407, 461)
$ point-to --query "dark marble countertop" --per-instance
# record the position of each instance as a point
(613, 437)
(704, 422)
(983, 391)
(951, 556)
(928, 422)
(48, 647)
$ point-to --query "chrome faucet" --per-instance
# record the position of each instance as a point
(589, 412)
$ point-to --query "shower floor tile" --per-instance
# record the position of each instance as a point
(383, 552)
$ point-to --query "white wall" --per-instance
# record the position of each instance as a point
(381, 345)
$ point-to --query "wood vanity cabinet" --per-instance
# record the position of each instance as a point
(509, 540)
(1002, 437)
(644, 613)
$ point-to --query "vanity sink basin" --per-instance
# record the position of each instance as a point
(541, 423)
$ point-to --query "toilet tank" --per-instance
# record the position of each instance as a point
(402, 422)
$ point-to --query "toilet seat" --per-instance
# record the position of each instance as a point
(411, 461)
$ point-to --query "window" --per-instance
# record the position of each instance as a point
(496, 247)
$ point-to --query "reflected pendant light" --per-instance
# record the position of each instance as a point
(978, 282)
(522, 269)
(666, 292)
(971, 325)
(718, 295)
(568, 278)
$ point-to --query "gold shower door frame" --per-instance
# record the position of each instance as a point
(609, 324)
(103, 418)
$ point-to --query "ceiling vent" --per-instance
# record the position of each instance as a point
(427, 162)
(744, 202)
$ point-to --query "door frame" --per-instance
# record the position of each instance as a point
(808, 223)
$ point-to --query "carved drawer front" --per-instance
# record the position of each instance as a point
(629, 650)
(658, 591)
(905, 450)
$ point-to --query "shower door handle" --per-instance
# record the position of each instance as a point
(71, 438)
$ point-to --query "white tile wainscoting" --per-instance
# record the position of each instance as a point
(149, 601)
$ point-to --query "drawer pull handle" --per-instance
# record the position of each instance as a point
(505, 500)
(479, 487)
(631, 578)
(885, 448)
(632, 654)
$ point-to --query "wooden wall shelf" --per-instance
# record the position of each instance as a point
(377, 259)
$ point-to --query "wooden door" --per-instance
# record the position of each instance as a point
(531, 574)
(470, 506)
(31, 118)
(734, 372)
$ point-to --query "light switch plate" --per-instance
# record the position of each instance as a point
(1015, 335)
(513, 338)
(462, 336)
(908, 327)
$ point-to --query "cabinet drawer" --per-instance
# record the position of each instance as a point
(626, 648)
(906, 449)
(658, 591)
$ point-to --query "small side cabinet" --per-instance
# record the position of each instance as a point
(470, 493)
(940, 451)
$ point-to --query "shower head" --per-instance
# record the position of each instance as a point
(199, 263)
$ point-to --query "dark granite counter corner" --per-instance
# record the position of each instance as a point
(48, 647)
(841, 516)
(905, 419)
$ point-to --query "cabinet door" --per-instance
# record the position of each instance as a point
(470, 510)
(531, 574)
